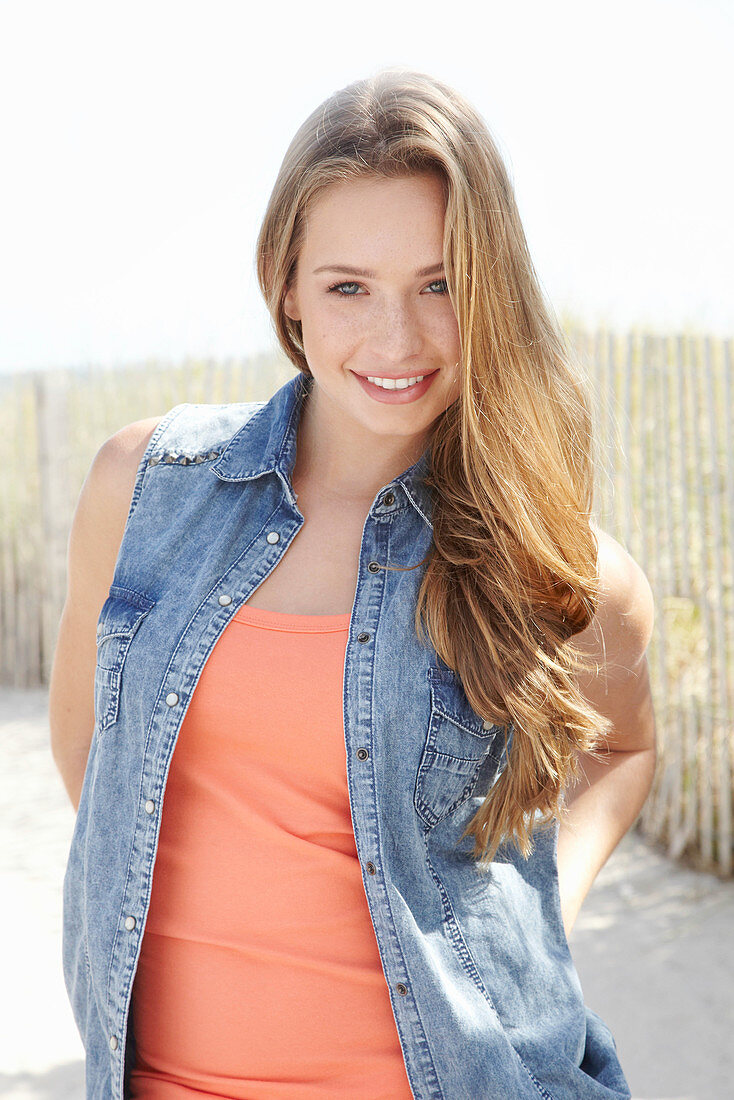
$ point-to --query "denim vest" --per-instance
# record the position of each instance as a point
(486, 999)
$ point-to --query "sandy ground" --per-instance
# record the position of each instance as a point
(654, 944)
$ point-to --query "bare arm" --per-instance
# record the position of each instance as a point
(604, 803)
(94, 542)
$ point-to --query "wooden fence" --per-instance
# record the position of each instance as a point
(665, 490)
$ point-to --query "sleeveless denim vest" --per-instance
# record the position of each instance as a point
(485, 995)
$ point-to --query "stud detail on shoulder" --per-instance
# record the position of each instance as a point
(175, 457)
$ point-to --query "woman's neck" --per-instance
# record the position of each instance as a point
(343, 458)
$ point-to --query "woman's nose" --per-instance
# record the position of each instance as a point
(396, 333)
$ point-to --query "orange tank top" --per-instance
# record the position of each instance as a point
(259, 976)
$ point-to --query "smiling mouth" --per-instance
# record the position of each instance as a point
(396, 391)
(396, 382)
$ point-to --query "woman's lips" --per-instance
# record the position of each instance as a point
(396, 397)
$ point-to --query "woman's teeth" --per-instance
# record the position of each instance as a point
(396, 383)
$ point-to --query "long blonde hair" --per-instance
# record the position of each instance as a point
(512, 572)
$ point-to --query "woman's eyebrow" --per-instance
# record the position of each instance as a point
(343, 270)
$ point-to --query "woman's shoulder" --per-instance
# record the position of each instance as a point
(110, 482)
(106, 495)
(103, 506)
(187, 428)
(624, 619)
(619, 573)
(121, 453)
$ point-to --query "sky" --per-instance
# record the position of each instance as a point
(140, 141)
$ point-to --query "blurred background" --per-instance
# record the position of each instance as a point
(139, 146)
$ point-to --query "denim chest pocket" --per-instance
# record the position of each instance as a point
(458, 743)
(119, 619)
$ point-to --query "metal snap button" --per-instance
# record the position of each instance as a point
(172, 698)
(370, 868)
(363, 637)
(225, 600)
(362, 754)
(273, 536)
(389, 498)
(373, 567)
(401, 988)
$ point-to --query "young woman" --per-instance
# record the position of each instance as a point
(403, 672)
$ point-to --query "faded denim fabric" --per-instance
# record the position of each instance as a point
(486, 999)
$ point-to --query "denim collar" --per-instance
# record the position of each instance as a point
(266, 443)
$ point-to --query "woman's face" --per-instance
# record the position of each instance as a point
(370, 294)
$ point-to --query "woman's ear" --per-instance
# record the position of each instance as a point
(290, 304)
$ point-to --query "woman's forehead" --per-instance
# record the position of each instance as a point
(375, 211)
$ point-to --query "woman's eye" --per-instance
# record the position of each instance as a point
(338, 288)
(351, 290)
(442, 284)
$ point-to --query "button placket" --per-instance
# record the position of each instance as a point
(362, 753)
